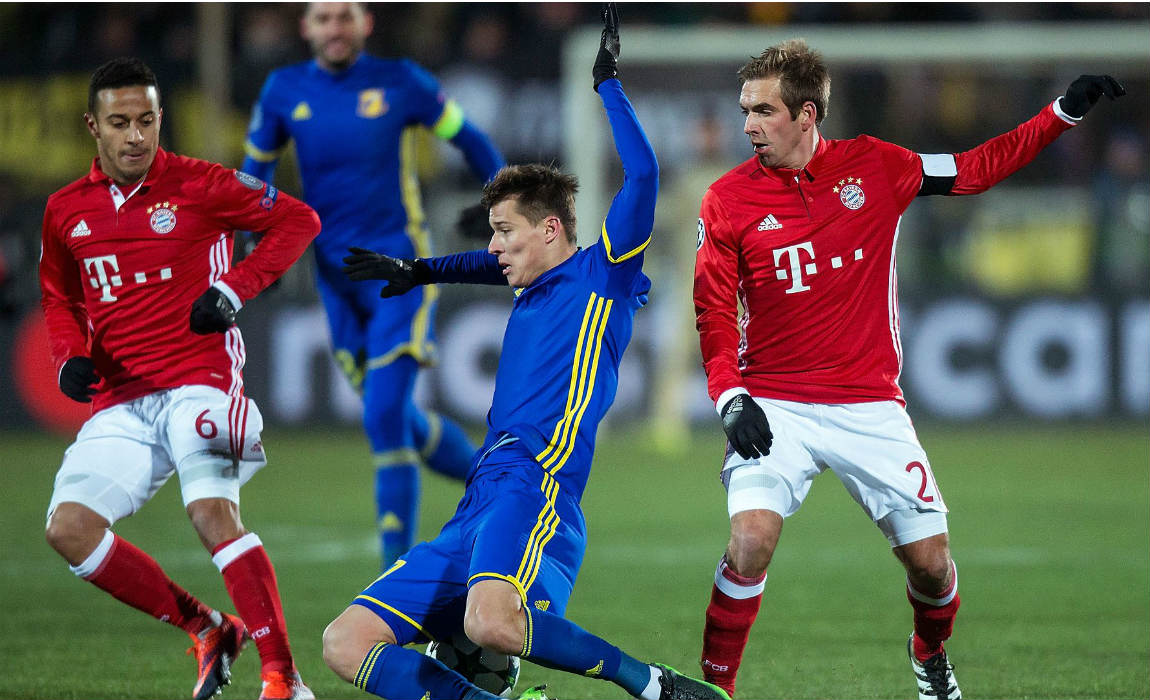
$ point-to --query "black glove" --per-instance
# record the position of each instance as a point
(746, 427)
(605, 67)
(1085, 91)
(401, 275)
(77, 379)
(473, 223)
(212, 313)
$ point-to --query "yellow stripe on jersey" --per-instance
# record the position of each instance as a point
(586, 386)
(449, 122)
(405, 618)
(368, 664)
(258, 154)
(579, 391)
(554, 442)
(591, 385)
(625, 256)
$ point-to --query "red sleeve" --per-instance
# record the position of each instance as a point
(716, 291)
(61, 295)
(988, 164)
(242, 202)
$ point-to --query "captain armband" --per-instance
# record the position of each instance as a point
(939, 172)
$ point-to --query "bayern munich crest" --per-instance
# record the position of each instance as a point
(851, 193)
(163, 217)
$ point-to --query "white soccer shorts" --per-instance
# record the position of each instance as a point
(871, 447)
(125, 453)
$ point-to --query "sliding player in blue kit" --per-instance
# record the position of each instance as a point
(504, 566)
(351, 115)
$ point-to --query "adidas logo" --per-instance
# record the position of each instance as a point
(81, 230)
(770, 223)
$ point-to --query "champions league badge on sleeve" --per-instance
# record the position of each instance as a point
(163, 217)
(249, 181)
(702, 235)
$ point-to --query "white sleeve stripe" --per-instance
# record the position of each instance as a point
(1057, 106)
(938, 165)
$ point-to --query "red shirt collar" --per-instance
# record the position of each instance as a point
(787, 175)
(159, 165)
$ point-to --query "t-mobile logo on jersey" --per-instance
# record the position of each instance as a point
(105, 271)
(797, 267)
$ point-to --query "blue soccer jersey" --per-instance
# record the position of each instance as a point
(559, 368)
(355, 150)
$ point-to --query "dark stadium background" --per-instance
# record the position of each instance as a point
(1026, 326)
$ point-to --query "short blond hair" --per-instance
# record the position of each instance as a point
(803, 76)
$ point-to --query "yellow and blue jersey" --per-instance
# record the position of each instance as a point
(559, 368)
(355, 148)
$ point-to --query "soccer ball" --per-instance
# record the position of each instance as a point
(494, 672)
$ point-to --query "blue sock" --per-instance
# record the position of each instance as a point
(391, 671)
(397, 505)
(443, 445)
(555, 642)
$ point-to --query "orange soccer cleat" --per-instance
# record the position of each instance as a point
(279, 685)
(216, 647)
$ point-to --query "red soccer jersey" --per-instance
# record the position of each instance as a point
(118, 275)
(810, 255)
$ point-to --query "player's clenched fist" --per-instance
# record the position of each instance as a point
(78, 379)
(746, 427)
(401, 275)
(212, 313)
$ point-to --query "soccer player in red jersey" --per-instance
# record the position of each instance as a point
(140, 302)
(806, 379)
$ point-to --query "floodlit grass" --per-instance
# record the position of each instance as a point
(1050, 528)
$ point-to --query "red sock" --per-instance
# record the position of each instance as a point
(131, 576)
(933, 617)
(251, 583)
(734, 605)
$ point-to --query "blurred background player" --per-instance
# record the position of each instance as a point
(140, 305)
(806, 378)
(350, 115)
(503, 568)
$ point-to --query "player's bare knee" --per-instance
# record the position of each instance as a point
(75, 531)
(335, 651)
(754, 535)
(500, 632)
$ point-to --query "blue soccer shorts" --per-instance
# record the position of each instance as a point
(514, 523)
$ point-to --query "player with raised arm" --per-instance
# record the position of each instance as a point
(352, 117)
(140, 303)
(803, 235)
(503, 567)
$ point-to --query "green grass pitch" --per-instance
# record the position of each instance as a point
(1050, 528)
